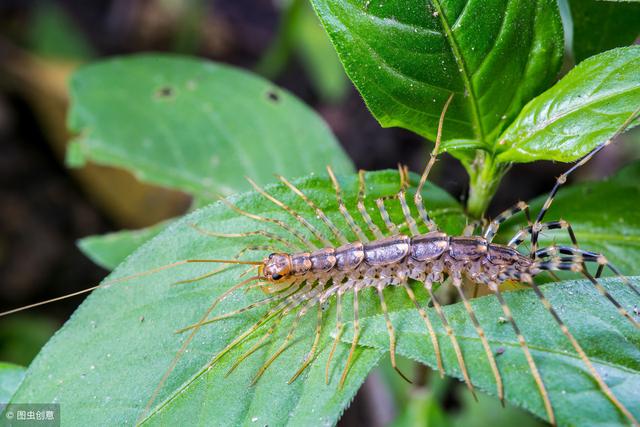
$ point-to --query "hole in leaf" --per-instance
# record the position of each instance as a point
(165, 92)
(273, 96)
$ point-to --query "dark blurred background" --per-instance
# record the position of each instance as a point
(45, 208)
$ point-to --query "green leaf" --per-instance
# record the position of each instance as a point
(604, 216)
(610, 341)
(194, 125)
(600, 25)
(116, 347)
(406, 59)
(109, 250)
(10, 378)
(582, 110)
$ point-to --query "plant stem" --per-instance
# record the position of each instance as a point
(484, 178)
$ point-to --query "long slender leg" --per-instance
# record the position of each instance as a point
(427, 322)
(494, 226)
(256, 346)
(577, 262)
(563, 178)
(186, 343)
(338, 334)
(293, 213)
(303, 239)
(356, 335)
(393, 229)
(310, 356)
(417, 199)
(343, 209)
(523, 234)
(336, 232)
(392, 334)
(285, 343)
(263, 233)
(457, 283)
(527, 354)
(363, 209)
(594, 373)
(454, 341)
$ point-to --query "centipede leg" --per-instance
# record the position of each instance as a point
(392, 334)
(427, 322)
(363, 209)
(452, 337)
(338, 334)
(310, 356)
(356, 336)
(343, 208)
(457, 283)
(527, 354)
(581, 353)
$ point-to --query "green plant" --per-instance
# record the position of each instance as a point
(167, 118)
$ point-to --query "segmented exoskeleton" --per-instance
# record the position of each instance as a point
(298, 282)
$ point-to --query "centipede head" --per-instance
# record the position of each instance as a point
(276, 268)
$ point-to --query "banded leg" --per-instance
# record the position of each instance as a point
(522, 235)
(457, 283)
(356, 335)
(417, 199)
(527, 354)
(470, 229)
(494, 226)
(338, 333)
(563, 178)
(452, 337)
(391, 227)
(301, 237)
(363, 209)
(336, 232)
(306, 224)
(285, 343)
(343, 209)
(263, 233)
(577, 262)
(392, 334)
(427, 322)
(583, 356)
(310, 356)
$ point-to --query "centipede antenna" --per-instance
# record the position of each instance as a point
(306, 224)
(563, 178)
(581, 353)
(319, 212)
(457, 283)
(427, 322)
(343, 209)
(452, 337)
(186, 343)
(423, 179)
(392, 334)
(527, 354)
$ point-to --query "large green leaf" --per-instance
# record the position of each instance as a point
(191, 125)
(103, 365)
(600, 25)
(406, 57)
(604, 216)
(10, 378)
(582, 110)
(194, 125)
(611, 342)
